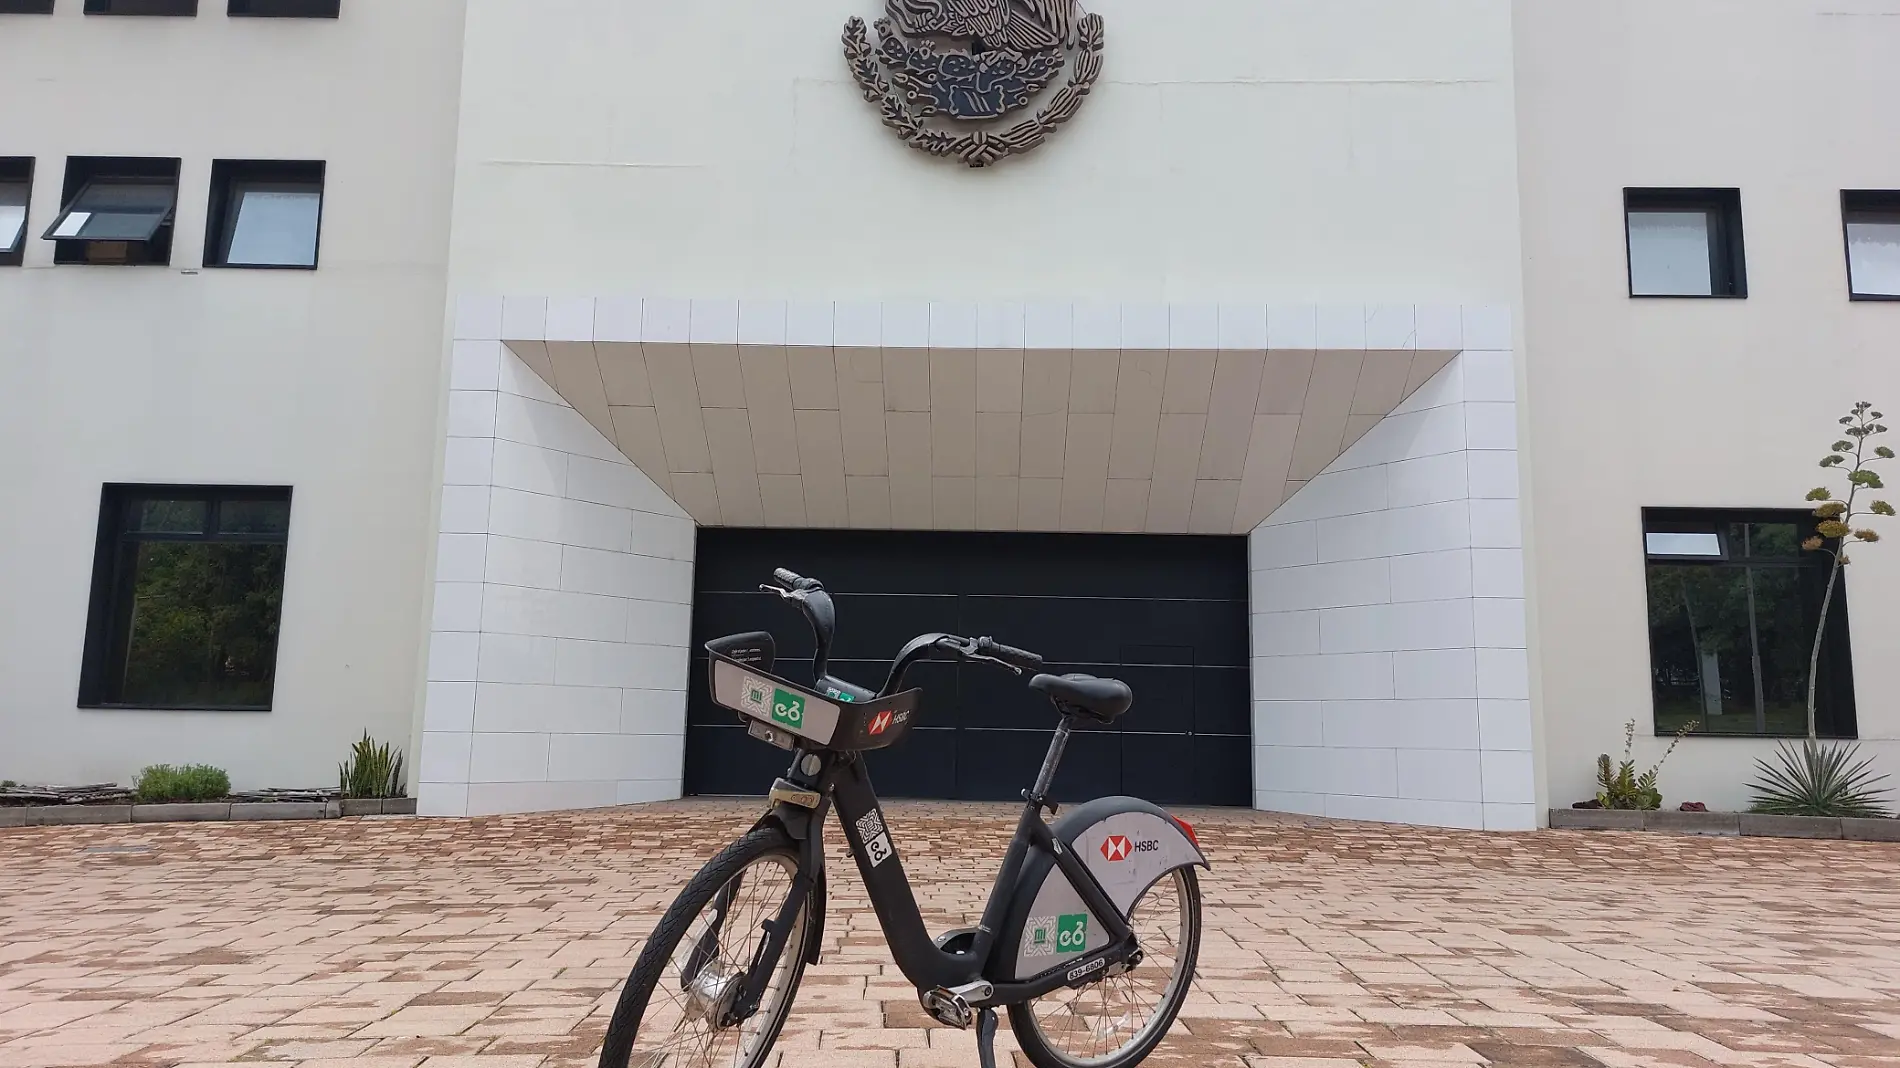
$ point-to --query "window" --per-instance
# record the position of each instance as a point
(116, 211)
(286, 9)
(1685, 242)
(1872, 220)
(264, 214)
(187, 593)
(1733, 601)
(16, 192)
(26, 7)
(141, 7)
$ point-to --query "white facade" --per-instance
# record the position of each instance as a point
(1345, 276)
(328, 381)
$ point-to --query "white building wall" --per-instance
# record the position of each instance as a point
(1694, 403)
(1390, 672)
(564, 577)
(325, 381)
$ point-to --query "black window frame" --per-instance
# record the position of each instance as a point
(284, 9)
(1728, 257)
(1835, 711)
(144, 8)
(18, 170)
(108, 619)
(82, 172)
(1865, 202)
(26, 7)
(228, 176)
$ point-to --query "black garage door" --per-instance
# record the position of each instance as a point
(1168, 615)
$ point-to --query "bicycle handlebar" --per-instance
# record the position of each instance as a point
(1020, 659)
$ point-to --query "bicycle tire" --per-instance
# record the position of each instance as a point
(1029, 1033)
(623, 1031)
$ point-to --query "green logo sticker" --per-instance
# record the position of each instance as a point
(788, 708)
(1072, 933)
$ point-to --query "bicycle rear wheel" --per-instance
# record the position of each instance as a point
(1117, 1022)
(689, 972)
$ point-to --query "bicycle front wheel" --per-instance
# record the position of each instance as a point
(670, 1013)
(1117, 1022)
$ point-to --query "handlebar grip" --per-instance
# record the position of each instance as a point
(1022, 658)
(792, 580)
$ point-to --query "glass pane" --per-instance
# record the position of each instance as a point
(137, 197)
(1784, 627)
(1777, 540)
(1683, 544)
(275, 228)
(114, 225)
(1701, 665)
(1873, 256)
(12, 214)
(254, 517)
(1669, 254)
(203, 626)
(167, 517)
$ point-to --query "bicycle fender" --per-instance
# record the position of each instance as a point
(1127, 844)
(800, 825)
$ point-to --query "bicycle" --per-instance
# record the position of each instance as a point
(1100, 906)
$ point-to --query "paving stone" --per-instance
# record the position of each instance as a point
(501, 942)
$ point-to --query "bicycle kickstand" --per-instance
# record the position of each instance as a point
(986, 1038)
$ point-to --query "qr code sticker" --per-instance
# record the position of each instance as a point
(879, 849)
(870, 825)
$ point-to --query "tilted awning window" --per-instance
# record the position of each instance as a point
(116, 210)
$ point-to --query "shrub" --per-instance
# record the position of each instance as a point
(372, 771)
(163, 784)
(1621, 787)
(1818, 780)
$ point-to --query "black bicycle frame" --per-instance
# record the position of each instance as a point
(843, 781)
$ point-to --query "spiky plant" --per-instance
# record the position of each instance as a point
(1818, 780)
(373, 770)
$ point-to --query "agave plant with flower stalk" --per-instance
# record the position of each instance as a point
(1817, 780)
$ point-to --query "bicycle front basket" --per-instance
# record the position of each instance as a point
(742, 680)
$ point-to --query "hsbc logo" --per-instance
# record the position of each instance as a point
(1118, 847)
(881, 722)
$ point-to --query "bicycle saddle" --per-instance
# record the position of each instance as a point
(1102, 698)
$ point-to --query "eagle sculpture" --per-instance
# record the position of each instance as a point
(1015, 25)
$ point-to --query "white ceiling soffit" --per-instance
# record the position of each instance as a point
(1010, 424)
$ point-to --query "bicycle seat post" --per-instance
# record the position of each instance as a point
(1045, 779)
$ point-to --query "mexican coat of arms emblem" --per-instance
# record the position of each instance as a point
(950, 76)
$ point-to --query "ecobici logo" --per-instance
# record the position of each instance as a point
(1047, 936)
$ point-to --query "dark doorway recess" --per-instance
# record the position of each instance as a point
(1167, 614)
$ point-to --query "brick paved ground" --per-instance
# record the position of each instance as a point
(500, 943)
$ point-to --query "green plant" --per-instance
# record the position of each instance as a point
(162, 784)
(1837, 516)
(1818, 780)
(372, 771)
(1619, 786)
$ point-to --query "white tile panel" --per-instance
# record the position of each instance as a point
(524, 658)
(1342, 326)
(1495, 524)
(1504, 674)
(1432, 576)
(508, 758)
(531, 468)
(492, 798)
(1242, 326)
(464, 510)
(524, 318)
(471, 414)
(999, 326)
(1439, 774)
(1509, 778)
(659, 623)
(1505, 725)
(1334, 585)
(570, 319)
(453, 657)
(762, 322)
(1391, 326)
(1286, 633)
(1493, 475)
(1491, 426)
(1436, 673)
(857, 324)
(478, 318)
(809, 323)
(906, 325)
(1274, 547)
(468, 462)
(542, 708)
(1287, 723)
(652, 711)
(475, 365)
(1497, 572)
(1339, 677)
(448, 706)
(460, 557)
(1048, 326)
(667, 321)
(953, 326)
(617, 319)
(553, 613)
(1292, 803)
(1293, 326)
(445, 757)
(1487, 327)
(1440, 326)
(457, 607)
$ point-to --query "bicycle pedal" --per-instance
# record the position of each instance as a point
(951, 1007)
